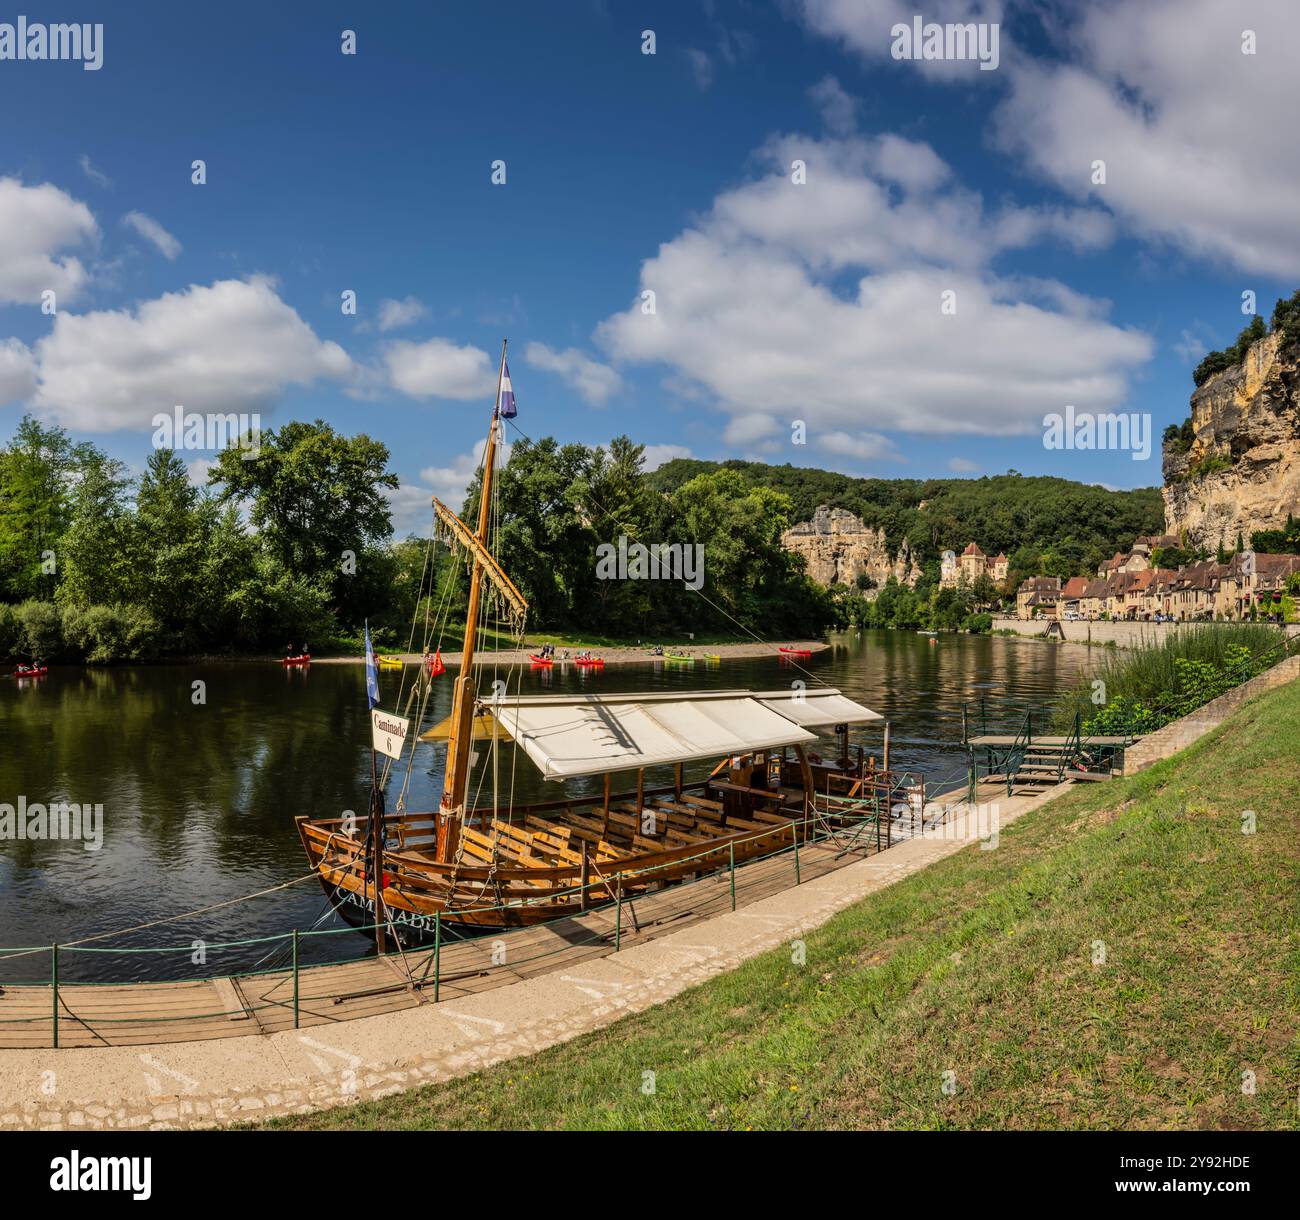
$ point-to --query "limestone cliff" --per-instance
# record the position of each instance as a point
(1242, 471)
(839, 548)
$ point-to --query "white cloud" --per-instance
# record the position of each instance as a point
(746, 427)
(36, 223)
(960, 465)
(148, 228)
(393, 315)
(755, 305)
(233, 346)
(412, 511)
(883, 202)
(701, 67)
(17, 372)
(658, 455)
(1189, 348)
(864, 446)
(438, 368)
(596, 382)
(839, 110)
(1196, 136)
(864, 26)
(198, 471)
(96, 176)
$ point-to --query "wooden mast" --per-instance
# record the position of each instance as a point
(460, 738)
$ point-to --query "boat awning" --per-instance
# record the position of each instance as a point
(572, 735)
(817, 709)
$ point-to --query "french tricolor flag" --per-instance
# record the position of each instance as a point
(506, 403)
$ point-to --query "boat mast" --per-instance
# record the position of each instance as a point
(461, 736)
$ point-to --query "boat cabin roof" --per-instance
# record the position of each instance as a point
(585, 734)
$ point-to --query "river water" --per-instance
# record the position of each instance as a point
(199, 800)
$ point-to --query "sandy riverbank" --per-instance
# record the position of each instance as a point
(612, 656)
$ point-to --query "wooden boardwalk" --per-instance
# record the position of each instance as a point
(137, 1014)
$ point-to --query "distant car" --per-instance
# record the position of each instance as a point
(1072, 615)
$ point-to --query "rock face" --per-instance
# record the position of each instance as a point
(1248, 415)
(839, 548)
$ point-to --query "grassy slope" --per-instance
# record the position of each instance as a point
(981, 965)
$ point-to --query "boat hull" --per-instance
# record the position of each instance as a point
(480, 892)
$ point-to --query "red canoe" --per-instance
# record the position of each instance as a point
(31, 671)
(536, 660)
(590, 661)
(796, 652)
(304, 659)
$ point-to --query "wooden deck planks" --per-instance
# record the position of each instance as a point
(142, 1013)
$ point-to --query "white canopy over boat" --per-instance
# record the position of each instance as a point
(572, 735)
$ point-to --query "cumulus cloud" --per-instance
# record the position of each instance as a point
(884, 202)
(17, 372)
(864, 446)
(864, 27)
(158, 237)
(233, 346)
(410, 502)
(596, 382)
(822, 302)
(839, 109)
(658, 455)
(393, 315)
(37, 223)
(1196, 136)
(438, 368)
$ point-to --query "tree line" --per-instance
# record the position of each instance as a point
(296, 546)
(1045, 526)
(99, 566)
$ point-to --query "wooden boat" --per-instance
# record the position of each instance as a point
(497, 865)
(301, 659)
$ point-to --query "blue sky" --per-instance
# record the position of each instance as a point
(775, 301)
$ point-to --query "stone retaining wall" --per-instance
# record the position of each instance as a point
(1122, 635)
(1181, 733)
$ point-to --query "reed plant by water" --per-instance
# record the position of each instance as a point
(1139, 690)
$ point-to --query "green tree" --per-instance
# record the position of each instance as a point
(38, 471)
(97, 552)
(316, 498)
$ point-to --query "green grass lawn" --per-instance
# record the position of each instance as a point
(983, 966)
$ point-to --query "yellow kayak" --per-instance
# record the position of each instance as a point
(391, 662)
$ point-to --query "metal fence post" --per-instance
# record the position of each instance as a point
(295, 978)
(54, 989)
(437, 954)
(618, 913)
(796, 858)
(732, 851)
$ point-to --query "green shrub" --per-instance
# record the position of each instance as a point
(10, 631)
(40, 633)
(102, 634)
(1153, 686)
(978, 624)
